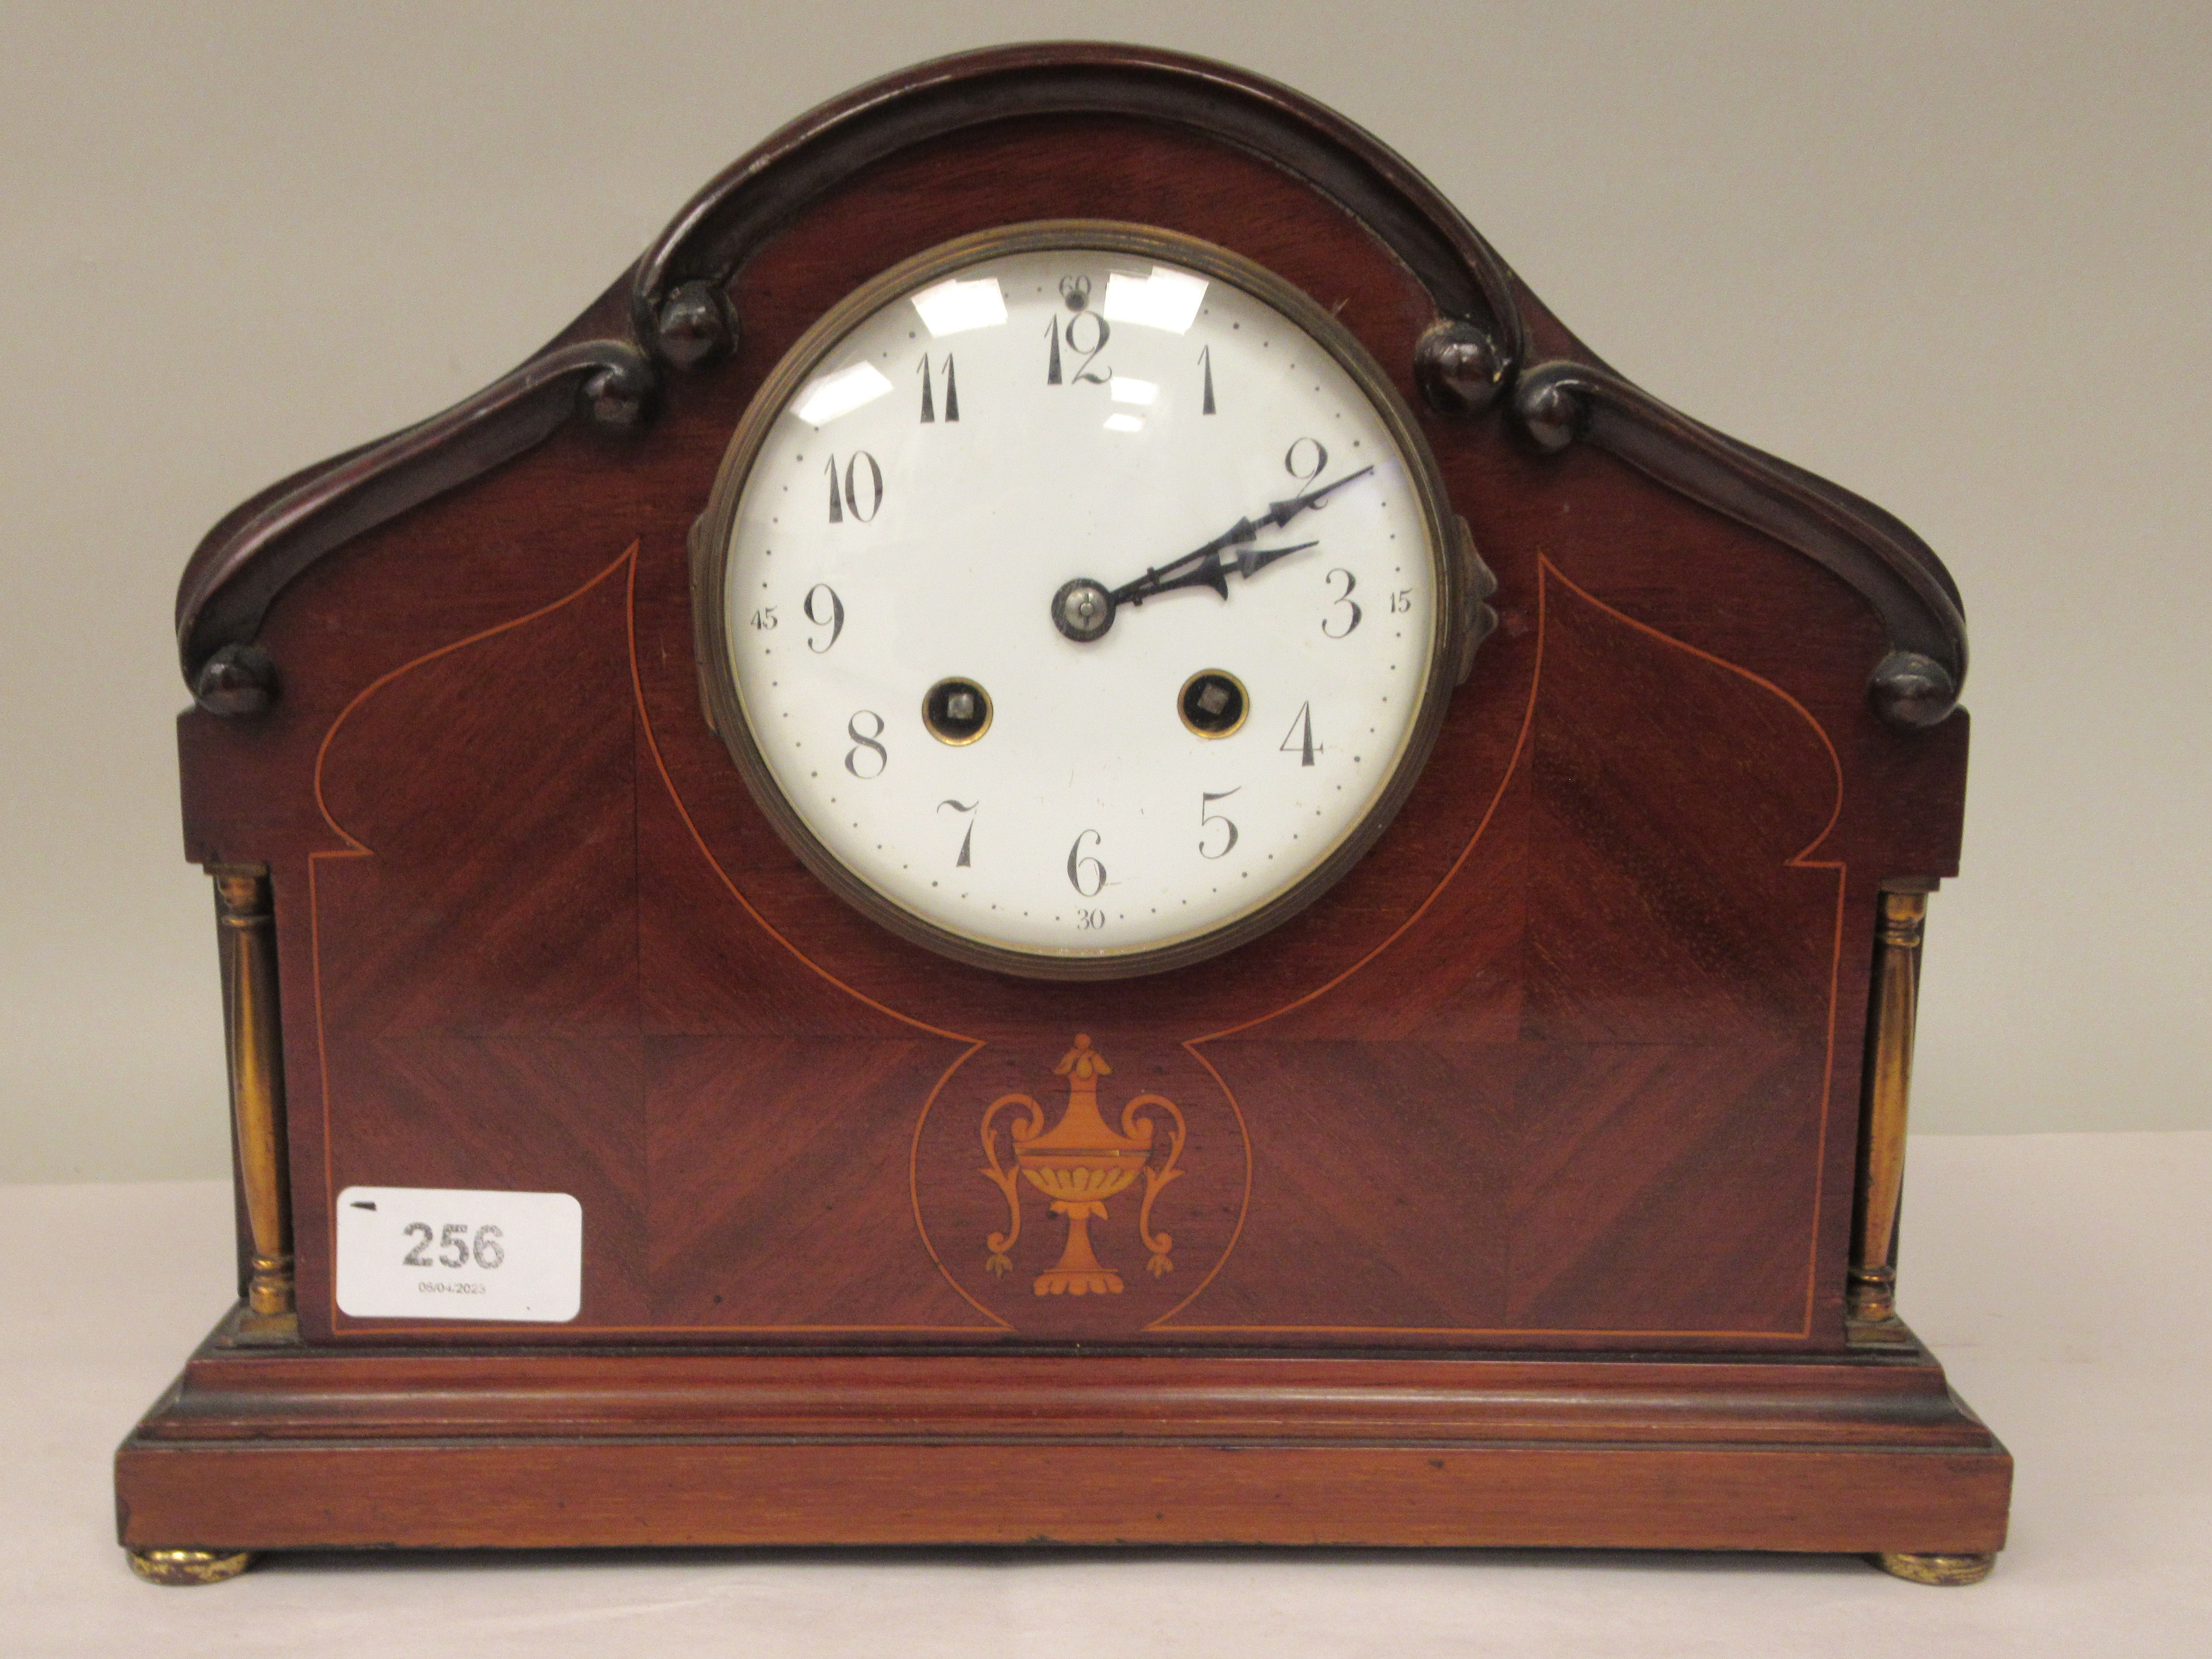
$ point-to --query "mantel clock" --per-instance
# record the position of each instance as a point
(1066, 831)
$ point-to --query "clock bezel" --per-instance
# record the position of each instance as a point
(723, 702)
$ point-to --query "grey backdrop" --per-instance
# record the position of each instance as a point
(1954, 257)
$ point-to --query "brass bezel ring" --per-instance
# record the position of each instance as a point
(711, 549)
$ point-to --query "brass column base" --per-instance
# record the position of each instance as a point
(1885, 1331)
(189, 1566)
(1946, 1569)
(1870, 1318)
(264, 1330)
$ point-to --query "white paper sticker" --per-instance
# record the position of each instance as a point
(437, 1253)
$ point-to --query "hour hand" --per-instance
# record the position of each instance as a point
(1206, 567)
(1083, 610)
(1251, 559)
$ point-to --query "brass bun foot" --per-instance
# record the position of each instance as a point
(1935, 1569)
(189, 1566)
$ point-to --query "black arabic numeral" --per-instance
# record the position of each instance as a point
(764, 618)
(1352, 614)
(1402, 600)
(1206, 819)
(835, 621)
(848, 487)
(489, 1252)
(1079, 862)
(968, 839)
(875, 487)
(951, 392)
(1298, 740)
(1076, 291)
(414, 1258)
(1305, 475)
(867, 741)
(1083, 372)
(453, 1245)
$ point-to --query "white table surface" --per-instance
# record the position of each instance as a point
(2063, 1279)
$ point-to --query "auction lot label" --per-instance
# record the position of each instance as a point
(437, 1253)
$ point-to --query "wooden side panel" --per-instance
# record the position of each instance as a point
(1679, 972)
(781, 1193)
(1677, 889)
(489, 879)
(474, 998)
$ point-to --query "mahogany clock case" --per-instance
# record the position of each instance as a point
(1514, 1183)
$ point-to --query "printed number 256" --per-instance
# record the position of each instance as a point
(456, 1248)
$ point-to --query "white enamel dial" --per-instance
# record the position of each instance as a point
(1082, 606)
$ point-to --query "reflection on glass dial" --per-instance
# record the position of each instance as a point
(1080, 604)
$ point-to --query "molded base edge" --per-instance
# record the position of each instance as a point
(259, 1448)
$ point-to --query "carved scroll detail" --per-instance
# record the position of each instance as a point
(1918, 682)
(254, 555)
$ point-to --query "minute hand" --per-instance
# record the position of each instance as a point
(1205, 567)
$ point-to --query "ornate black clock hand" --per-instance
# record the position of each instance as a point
(1283, 512)
(1251, 559)
(1083, 610)
(1205, 568)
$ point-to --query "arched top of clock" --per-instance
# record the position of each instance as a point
(749, 202)
(672, 311)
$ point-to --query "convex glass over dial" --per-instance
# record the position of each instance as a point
(1078, 600)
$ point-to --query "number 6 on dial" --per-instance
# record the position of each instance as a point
(1091, 884)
